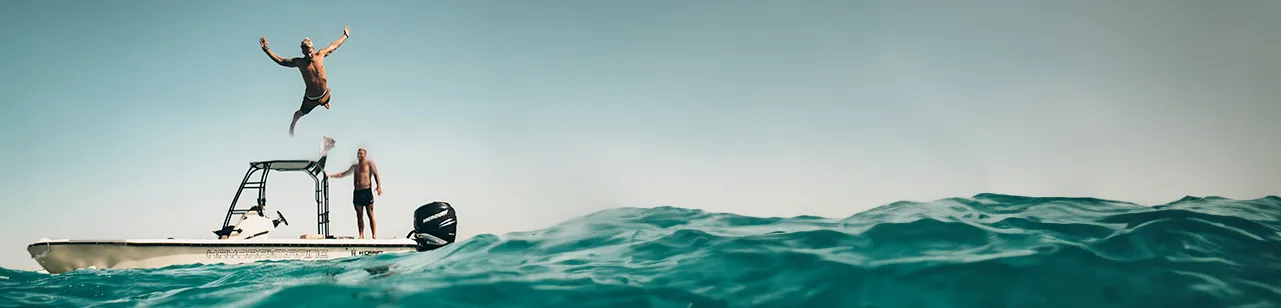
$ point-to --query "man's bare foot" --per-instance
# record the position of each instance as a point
(326, 144)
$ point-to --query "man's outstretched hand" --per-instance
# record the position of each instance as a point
(346, 31)
(262, 40)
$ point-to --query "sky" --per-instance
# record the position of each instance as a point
(138, 119)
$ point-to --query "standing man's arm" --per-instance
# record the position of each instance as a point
(334, 46)
(282, 61)
(342, 174)
(373, 170)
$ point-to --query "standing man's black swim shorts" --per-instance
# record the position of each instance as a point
(363, 197)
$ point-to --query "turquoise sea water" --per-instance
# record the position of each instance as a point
(985, 251)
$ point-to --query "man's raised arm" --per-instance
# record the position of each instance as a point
(334, 46)
(282, 61)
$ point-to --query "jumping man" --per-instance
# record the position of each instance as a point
(363, 197)
(312, 66)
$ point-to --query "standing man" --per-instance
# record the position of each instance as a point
(363, 197)
(312, 67)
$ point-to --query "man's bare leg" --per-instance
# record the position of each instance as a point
(373, 225)
(297, 115)
(360, 222)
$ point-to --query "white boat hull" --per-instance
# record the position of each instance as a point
(60, 256)
(248, 239)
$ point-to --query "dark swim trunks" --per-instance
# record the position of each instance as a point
(309, 103)
(363, 197)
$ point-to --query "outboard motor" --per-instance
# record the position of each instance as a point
(435, 225)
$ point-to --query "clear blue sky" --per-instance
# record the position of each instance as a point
(136, 119)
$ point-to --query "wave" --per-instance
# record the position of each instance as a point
(989, 250)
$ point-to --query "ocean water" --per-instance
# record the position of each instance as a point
(984, 251)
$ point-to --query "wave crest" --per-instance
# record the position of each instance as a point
(989, 250)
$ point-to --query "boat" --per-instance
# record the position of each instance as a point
(248, 239)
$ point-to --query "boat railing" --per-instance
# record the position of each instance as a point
(263, 168)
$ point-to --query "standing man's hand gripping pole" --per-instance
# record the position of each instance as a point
(342, 174)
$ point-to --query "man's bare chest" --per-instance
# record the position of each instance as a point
(311, 66)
